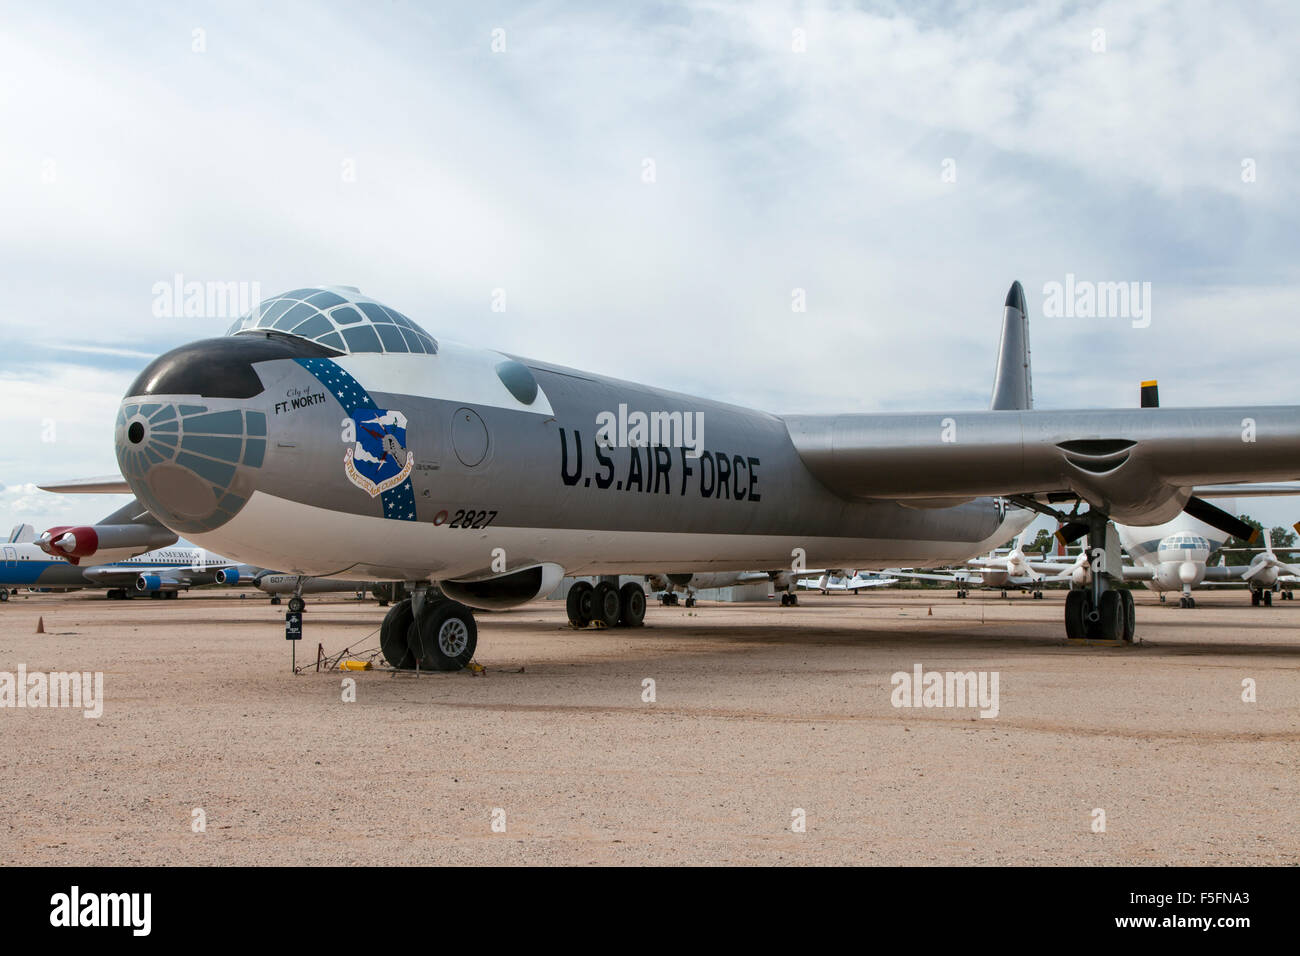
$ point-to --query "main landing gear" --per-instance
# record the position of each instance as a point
(1099, 611)
(789, 599)
(1263, 597)
(428, 632)
(608, 605)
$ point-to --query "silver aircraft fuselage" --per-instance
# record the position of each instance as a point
(271, 478)
(322, 441)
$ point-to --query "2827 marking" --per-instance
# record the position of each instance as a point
(472, 519)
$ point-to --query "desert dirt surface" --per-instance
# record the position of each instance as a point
(758, 712)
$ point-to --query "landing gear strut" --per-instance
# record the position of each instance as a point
(1099, 611)
(428, 632)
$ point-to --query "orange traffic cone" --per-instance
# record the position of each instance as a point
(40, 625)
(929, 612)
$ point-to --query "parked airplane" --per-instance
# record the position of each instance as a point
(329, 435)
(690, 583)
(996, 571)
(854, 582)
(160, 573)
(277, 585)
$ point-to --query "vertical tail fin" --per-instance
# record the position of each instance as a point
(1012, 385)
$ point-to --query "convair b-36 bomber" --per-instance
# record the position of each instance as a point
(329, 435)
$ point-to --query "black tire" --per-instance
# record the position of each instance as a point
(1130, 616)
(446, 639)
(631, 603)
(4, 595)
(605, 604)
(1076, 611)
(393, 638)
(1268, 599)
(297, 605)
(1254, 599)
(275, 599)
(690, 602)
(785, 599)
(580, 604)
(1110, 627)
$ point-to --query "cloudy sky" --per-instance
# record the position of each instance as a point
(649, 185)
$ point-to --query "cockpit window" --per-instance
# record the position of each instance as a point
(338, 318)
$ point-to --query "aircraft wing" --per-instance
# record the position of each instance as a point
(962, 577)
(1051, 567)
(1135, 465)
(108, 574)
(103, 485)
(1139, 572)
(1224, 572)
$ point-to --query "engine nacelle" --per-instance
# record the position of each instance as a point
(227, 576)
(81, 541)
(505, 590)
(148, 582)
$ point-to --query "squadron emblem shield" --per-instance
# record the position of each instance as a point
(379, 459)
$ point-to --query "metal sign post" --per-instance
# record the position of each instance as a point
(293, 632)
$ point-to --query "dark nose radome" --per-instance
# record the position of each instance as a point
(220, 368)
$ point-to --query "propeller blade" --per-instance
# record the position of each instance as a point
(1259, 568)
(1071, 532)
(1216, 517)
(1150, 394)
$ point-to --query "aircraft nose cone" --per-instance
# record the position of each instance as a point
(192, 463)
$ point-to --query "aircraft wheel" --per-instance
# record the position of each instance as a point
(1004, 594)
(605, 604)
(1254, 599)
(1076, 614)
(631, 600)
(1110, 626)
(446, 639)
(794, 600)
(1268, 598)
(690, 602)
(297, 604)
(4, 595)
(1191, 601)
(580, 604)
(392, 635)
(1130, 615)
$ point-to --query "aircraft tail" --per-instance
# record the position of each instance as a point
(22, 534)
(1012, 385)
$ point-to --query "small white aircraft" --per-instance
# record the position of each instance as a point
(853, 581)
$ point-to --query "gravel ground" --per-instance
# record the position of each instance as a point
(759, 711)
